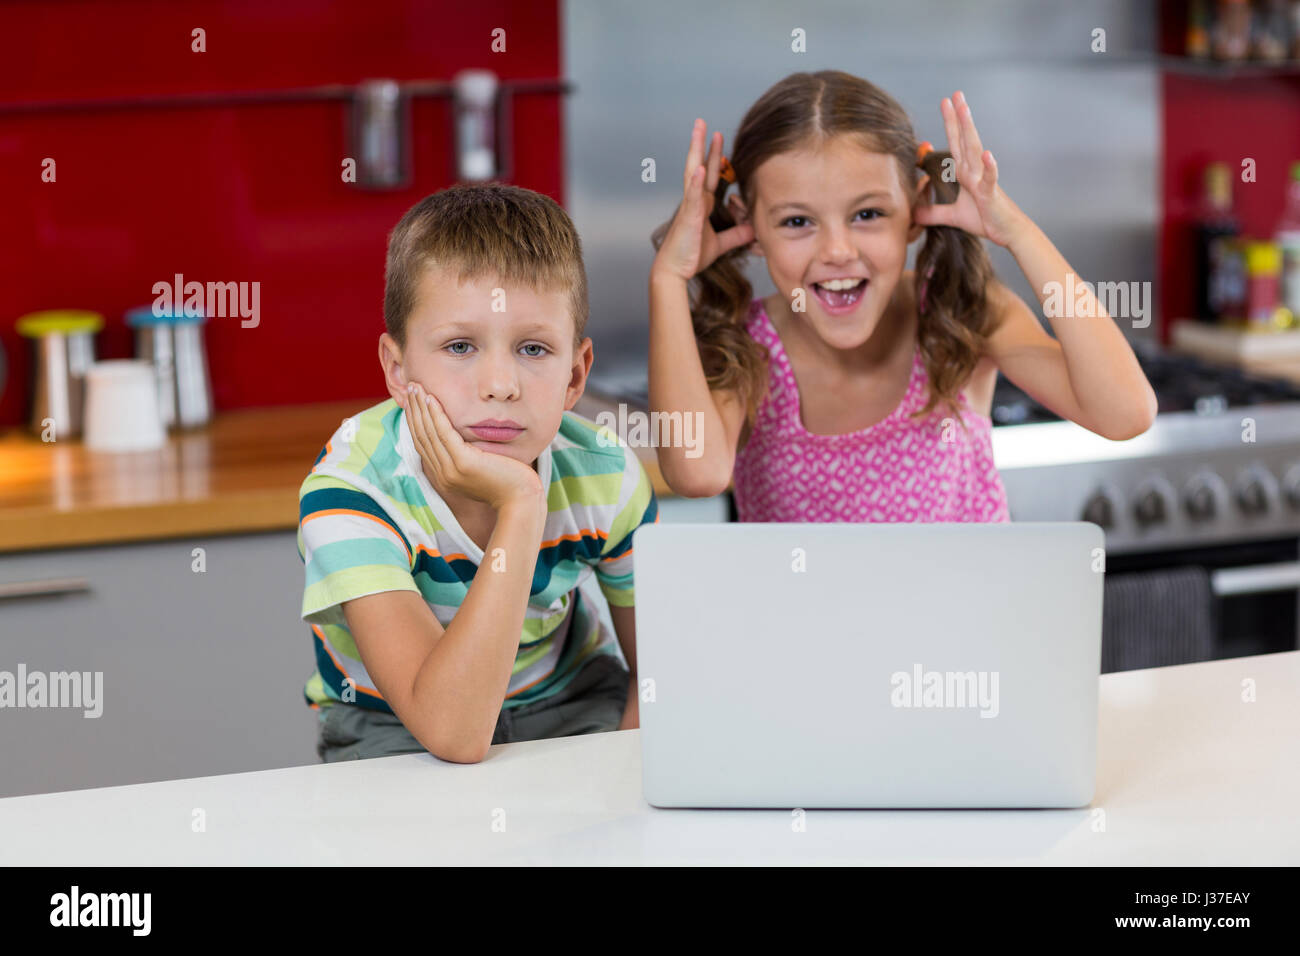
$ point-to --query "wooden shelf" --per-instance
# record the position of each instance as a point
(239, 474)
(1227, 69)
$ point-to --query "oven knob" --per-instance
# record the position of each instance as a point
(1256, 490)
(1199, 502)
(1150, 507)
(1251, 497)
(1203, 494)
(1291, 484)
(1100, 510)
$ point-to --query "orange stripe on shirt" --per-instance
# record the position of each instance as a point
(577, 536)
(320, 636)
(533, 683)
(329, 447)
(362, 514)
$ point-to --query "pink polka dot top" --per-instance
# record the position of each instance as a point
(899, 469)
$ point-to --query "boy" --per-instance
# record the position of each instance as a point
(445, 531)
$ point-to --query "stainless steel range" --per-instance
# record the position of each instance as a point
(1221, 463)
(1213, 487)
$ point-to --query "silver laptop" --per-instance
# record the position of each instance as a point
(869, 665)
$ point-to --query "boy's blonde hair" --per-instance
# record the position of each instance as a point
(484, 229)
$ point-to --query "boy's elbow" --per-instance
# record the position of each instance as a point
(458, 749)
(461, 753)
(451, 742)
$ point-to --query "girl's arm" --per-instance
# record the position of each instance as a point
(1088, 373)
(678, 385)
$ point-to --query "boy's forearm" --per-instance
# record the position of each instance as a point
(631, 710)
(678, 384)
(463, 680)
(624, 618)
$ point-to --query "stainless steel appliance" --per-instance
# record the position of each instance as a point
(1213, 485)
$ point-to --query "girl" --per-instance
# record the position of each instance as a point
(859, 391)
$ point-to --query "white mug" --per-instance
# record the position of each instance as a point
(122, 411)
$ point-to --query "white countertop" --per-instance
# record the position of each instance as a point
(1188, 774)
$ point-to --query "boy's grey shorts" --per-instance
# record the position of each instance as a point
(592, 702)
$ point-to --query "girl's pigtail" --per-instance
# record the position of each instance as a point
(953, 271)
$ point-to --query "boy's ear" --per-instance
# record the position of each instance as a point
(920, 199)
(582, 359)
(736, 206)
(390, 360)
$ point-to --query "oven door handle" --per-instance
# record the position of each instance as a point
(1255, 579)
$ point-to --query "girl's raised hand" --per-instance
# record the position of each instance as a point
(451, 463)
(691, 244)
(981, 208)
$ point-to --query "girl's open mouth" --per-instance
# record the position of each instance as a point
(838, 301)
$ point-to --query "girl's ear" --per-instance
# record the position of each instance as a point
(736, 206)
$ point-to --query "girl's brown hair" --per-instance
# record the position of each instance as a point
(952, 267)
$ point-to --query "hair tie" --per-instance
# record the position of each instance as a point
(933, 164)
(925, 288)
(718, 219)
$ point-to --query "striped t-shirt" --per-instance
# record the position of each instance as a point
(369, 521)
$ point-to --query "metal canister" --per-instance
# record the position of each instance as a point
(63, 348)
(173, 341)
(381, 135)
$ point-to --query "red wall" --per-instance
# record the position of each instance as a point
(1212, 114)
(1226, 119)
(236, 193)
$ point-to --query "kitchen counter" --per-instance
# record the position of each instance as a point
(1188, 774)
(238, 474)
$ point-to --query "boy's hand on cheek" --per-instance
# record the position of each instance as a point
(452, 464)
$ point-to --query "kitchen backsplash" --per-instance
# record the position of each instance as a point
(246, 193)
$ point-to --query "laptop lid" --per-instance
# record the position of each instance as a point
(869, 665)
